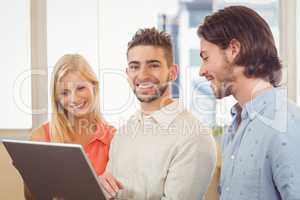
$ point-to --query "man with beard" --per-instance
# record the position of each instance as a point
(260, 150)
(163, 152)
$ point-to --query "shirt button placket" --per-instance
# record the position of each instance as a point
(232, 157)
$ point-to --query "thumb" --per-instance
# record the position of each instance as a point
(120, 185)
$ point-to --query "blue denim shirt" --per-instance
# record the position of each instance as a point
(261, 159)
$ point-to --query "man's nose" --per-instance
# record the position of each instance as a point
(144, 72)
(203, 71)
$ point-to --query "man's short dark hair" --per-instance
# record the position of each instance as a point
(258, 52)
(153, 37)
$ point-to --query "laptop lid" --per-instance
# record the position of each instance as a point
(55, 170)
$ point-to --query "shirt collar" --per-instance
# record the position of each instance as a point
(101, 134)
(257, 105)
(235, 109)
(166, 115)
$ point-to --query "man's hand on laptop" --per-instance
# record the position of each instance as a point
(110, 185)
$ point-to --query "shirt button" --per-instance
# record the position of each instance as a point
(227, 189)
(232, 157)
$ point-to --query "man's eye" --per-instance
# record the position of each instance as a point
(154, 65)
(133, 67)
(81, 88)
(64, 93)
(205, 58)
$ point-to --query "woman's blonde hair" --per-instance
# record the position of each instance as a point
(61, 129)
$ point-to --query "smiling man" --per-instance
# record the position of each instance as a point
(260, 150)
(163, 152)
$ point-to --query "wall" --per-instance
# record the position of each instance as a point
(11, 186)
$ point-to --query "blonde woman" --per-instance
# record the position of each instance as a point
(75, 112)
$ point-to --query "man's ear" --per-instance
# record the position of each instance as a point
(173, 72)
(233, 49)
(128, 79)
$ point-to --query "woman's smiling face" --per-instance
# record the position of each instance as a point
(75, 94)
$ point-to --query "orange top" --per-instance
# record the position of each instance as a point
(98, 148)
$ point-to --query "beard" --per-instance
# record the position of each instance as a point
(160, 90)
(222, 89)
(223, 85)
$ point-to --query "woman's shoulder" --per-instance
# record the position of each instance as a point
(40, 133)
(108, 129)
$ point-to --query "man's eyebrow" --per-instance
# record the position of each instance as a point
(152, 61)
(133, 62)
(201, 53)
(147, 62)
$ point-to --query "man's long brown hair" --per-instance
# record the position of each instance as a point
(258, 52)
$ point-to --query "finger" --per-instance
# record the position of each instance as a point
(107, 195)
(113, 183)
(120, 185)
(107, 187)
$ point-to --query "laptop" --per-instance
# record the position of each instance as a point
(55, 170)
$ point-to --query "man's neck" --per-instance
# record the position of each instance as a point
(148, 108)
(246, 89)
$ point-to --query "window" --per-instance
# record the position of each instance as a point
(72, 27)
(15, 102)
(93, 29)
(298, 51)
(195, 17)
(195, 60)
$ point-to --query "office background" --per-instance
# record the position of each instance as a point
(35, 33)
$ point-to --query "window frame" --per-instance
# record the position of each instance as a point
(288, 36)
(38, 22)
